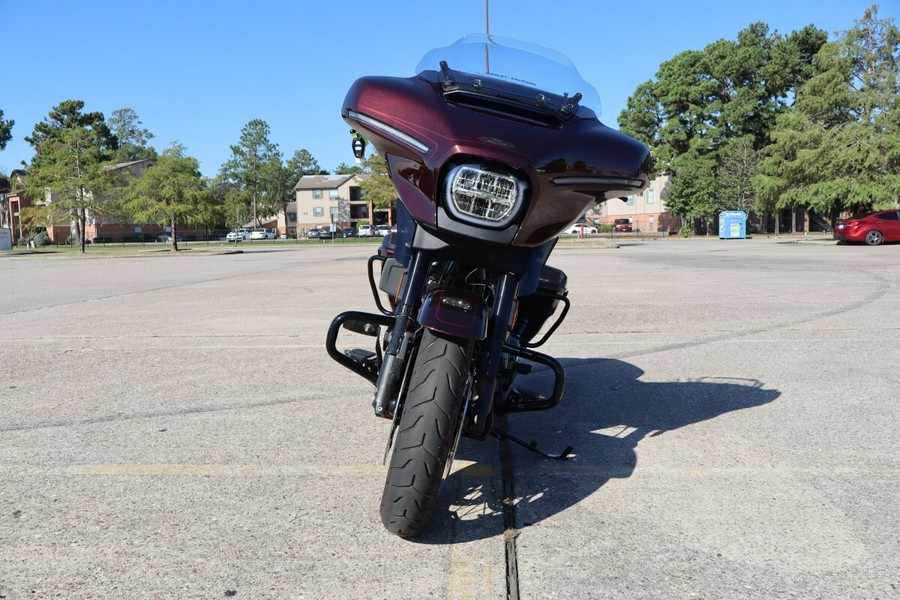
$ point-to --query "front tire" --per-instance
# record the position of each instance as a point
(426, 433)
(874, 238)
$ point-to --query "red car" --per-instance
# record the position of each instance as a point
(873, 228)
(622, 225)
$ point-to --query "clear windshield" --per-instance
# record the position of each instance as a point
(514, 61)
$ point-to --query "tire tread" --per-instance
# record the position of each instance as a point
(425, 434)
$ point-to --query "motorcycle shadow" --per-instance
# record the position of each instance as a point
(605, 413)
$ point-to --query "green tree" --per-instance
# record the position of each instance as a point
(6, 126)
(345, 169)
(280, 181)
(792, 62)
(702, 103)
(65, 117)
(838, 149)
(234, 211)
(378, 188)
(133, 140)
(171, 193)
(277, 180)
(68, 172)
(692, 192)
(643, 118)
(304, 163)
(248, 171)
(738, 164)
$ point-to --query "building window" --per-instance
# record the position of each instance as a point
(318, 211)
(333, 194)
(291, 217)
(630, 201)
(649, 196)
(317, 194)
(355, 193)
(335, 211)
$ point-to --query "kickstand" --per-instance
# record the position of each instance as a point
(532, 446)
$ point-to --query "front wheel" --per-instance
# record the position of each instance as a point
(874, 238)
(426, 433)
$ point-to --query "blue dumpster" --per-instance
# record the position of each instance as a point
(732, 225)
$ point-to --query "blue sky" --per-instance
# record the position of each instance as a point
(198, 71)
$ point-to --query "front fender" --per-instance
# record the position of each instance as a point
(453, 312)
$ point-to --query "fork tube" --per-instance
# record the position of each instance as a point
(491, 354)
(391, 372)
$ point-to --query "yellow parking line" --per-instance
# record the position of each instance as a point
(470, 571)
(206, 470)
(462, 467)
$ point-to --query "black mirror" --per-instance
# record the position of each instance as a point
(359, 147)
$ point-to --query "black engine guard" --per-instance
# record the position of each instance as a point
(366, 324)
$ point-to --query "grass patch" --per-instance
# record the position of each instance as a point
(137, 248)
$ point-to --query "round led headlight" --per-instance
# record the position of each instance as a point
(482, 195)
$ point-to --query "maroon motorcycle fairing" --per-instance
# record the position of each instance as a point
(570, 166)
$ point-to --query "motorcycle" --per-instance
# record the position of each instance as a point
(494, 148)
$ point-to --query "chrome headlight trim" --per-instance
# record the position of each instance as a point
(482, 195)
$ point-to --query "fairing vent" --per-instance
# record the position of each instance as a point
(506, 110)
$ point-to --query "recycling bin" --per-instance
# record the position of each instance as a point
(732, 225)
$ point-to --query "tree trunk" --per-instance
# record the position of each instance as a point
(80, 216)
(174, 235)
(82, 226)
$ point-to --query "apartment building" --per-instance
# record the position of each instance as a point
(646, 211)
(327, 199)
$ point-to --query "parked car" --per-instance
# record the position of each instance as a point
(262, 234)
(382, 230)
(349, 232)
(326, 233)
(238, 235)
(365, 231)
(167, 238)
(579, 228)
(622, 225)
(872, 228)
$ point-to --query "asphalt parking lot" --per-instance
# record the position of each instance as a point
(171, 427)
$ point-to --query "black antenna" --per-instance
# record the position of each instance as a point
(487, 31)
